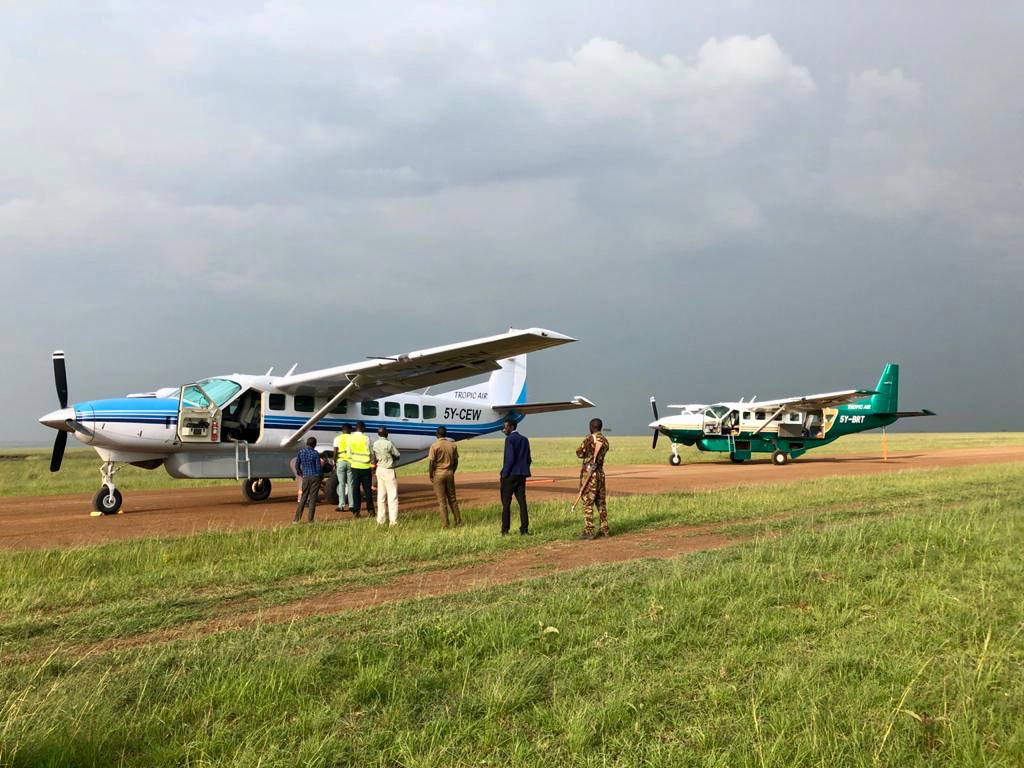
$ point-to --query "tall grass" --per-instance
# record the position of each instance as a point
(893, 639)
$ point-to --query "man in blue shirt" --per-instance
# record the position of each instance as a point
(309, 468)
(514, 472)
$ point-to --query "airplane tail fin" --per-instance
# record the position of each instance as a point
(888, 390)
(507, 384)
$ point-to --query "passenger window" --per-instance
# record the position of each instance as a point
(341, 407)
(276, 402)
(370, 408)
(412, 411)
(391, 410)
(794, 417)
(304, 403)
(759, 415)
(429, 412)
(746, 415)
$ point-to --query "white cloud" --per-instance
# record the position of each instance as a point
(724, 97)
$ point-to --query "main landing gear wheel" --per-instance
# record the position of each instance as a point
(107, 502)
(675, 460)
(779, 458)
(735, 460)
(256, 488)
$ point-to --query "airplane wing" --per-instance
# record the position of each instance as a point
(527, 408)
(805, 402)
(413, 370)
(424, 367)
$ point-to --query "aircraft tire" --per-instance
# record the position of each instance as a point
(733, 459)
(107, 503)
(256, 488)
(779, 459)
(675, 460)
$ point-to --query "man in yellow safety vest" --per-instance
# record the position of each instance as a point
(344, 469)
(358, 455)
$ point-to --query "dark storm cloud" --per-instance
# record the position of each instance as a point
(762, 196)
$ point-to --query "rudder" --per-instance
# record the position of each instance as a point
(888, 389)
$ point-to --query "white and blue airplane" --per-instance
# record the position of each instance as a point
(247, 427)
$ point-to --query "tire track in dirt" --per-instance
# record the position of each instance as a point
(516, 566)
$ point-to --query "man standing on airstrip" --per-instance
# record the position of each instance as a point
(343, 468)
(514, 471)
(385, 455)
(309, 468)
(358, 455)
(592, 492)
(442, 461)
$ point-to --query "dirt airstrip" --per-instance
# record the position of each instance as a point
(32, 522)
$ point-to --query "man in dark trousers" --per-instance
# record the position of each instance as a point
(514, 472)
(309, 468)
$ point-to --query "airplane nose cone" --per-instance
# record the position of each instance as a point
(59, 419)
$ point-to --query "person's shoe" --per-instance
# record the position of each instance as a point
(605, 532)
(344, 508)
(458, 523)
(295, 522)
(588, 536)
(504, 533)
(526, 533)
(338, 509)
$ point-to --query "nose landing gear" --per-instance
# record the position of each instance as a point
(675, 459)
(108, 499)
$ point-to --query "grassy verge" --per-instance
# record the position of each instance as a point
(894, 639)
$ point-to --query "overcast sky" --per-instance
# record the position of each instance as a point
(718, 199)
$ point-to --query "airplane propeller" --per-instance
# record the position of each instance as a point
(60, 378)
(654, 407)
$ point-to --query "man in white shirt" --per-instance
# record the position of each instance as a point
(385, 455)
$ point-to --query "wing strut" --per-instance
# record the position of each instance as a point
(769, 421)
(294, 437)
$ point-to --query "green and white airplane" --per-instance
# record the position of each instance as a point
(785, 428)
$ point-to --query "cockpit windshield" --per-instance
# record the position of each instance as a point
(716, 411)
(220, 390)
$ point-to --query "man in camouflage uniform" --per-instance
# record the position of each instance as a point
(593, 450)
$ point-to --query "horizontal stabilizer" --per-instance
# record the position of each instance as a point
(908, 414)
(527, 408)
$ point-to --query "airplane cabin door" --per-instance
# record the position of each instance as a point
(199, 416)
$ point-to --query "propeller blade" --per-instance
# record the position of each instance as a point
(654, 408)
(58, 451)
(60, 378)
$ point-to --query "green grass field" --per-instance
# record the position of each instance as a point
(27, 472)
(871, 621)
